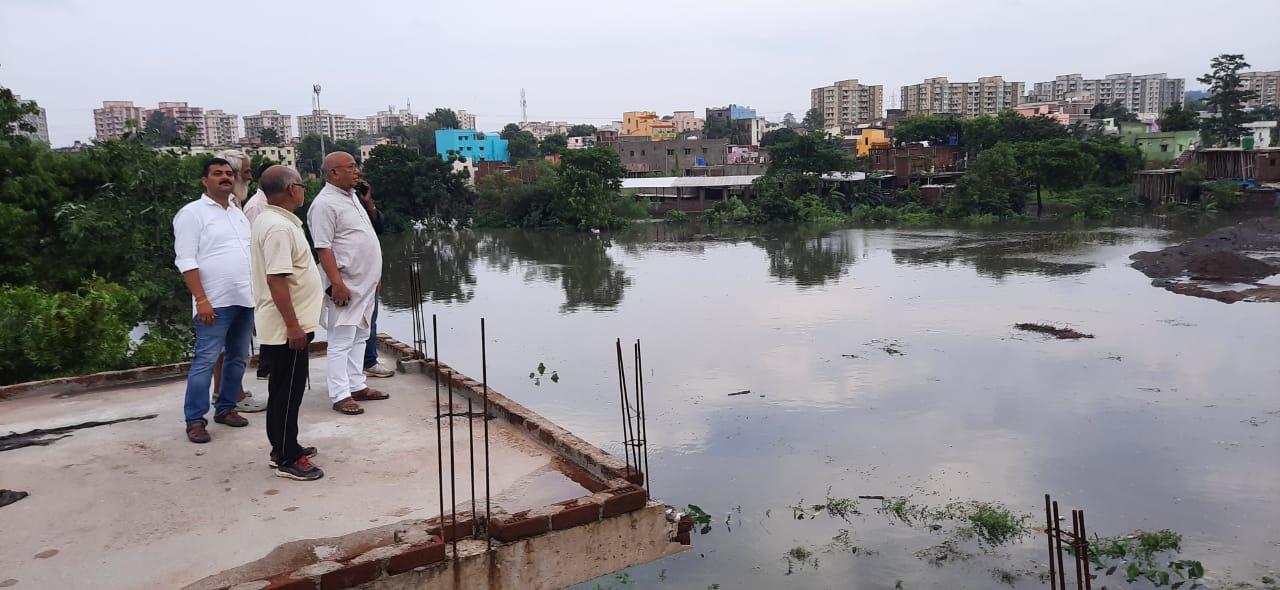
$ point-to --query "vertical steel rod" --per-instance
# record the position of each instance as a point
(1075, 546)
(1049, 534)
(484, 375)
(1062, 573)
(471, 447)
(1084, 553)
(626, 416)
(453, 480)
(644, 428)
(435, 334)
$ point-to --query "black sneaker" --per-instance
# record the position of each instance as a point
(307, 452)
(301, 470)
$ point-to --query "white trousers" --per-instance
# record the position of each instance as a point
(346, 360)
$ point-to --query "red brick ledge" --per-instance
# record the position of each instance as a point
(425, 545)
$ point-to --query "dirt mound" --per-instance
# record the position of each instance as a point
(1260, 234)
(1228, 267)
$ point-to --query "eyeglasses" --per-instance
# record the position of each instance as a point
(299, 185)
(351, 166)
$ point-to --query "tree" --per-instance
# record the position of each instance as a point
(582, 131)
(1012, 127)
(1177, 118)
(411, 186)
(553, 144)
(269, 136)
(935, 129)
(789, 120)
(1226, 100)
(521, 144)
(994, 185)
(590, 181)
(444, 119)
(1265, 112)
(778, 136)
(161, 130)
(813, 120)
(310, 157)
(812, 153)
(1116, 110)
(1058, 164)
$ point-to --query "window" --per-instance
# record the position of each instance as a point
(671, 152)
(704, 150)
(641, 152)
(633, 153)
(688, 151)
(1164, 147)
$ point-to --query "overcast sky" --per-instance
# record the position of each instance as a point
(585, 61)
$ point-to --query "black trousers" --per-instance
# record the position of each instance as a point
(285, 388)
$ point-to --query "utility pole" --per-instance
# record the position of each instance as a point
(524, 113)
(315, 115)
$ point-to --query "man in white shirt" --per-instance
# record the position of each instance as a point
(351, 264)
(287, 291)
(240, 162)
(211, 247)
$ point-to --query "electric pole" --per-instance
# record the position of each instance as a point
(315, 115)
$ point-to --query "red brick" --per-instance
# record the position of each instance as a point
(684, 539)
(287, 583)
(635, 476)
(515, 419)
(685, 525)
(451, 531)
(575, 516)
(350, 575)
(624, 499)
(418, 556)
(518, 526)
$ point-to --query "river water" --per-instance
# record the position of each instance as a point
(881, 363)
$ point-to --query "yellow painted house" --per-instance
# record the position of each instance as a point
(869, 138)
(647, 124)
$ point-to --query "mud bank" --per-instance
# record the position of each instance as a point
(1225, 265)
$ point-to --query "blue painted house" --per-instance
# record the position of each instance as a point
(464, 142)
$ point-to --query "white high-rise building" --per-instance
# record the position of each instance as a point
(1266, 84)
(282, 124)
(847, 103)
(1147, 93)
(466, 120)
(221, 129)
(332, 126)
(38, 120)
(939, 96)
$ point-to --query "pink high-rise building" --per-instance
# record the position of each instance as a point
(109, 121)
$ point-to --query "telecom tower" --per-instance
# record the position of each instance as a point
(524, 113)
(315, 115)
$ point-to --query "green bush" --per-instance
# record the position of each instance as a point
(675, 216)
(730, 210)
(45, 335)
(1224, 194)
(1094, 202)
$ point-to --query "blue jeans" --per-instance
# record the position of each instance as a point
(371, 345)
(232, 332)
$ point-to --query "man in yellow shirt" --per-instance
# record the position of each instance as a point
(287, 296)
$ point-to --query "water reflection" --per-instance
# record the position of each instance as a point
(1001, 255)
(446, 262)
(806, 260)
(579, 262)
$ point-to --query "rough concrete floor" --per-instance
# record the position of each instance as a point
(135, 505)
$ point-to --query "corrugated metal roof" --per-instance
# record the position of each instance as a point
(718, 181)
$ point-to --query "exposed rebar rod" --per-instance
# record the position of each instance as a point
(644, 424)
(484, 377)
(1083, 553)
(453, 479)
(435, 333)
(1075, 546)
(1049, 534)
(471, 447)
(626, 415)
(1062, 570)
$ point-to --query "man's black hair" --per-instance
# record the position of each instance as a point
(211, 162)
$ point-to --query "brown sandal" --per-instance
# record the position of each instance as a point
(348, 407)
(368, 394)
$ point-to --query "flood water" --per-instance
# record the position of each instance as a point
(881, 362)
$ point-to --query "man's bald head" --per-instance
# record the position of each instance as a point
(280, 185)
(340, 170)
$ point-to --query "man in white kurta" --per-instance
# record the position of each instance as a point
(351, 269)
